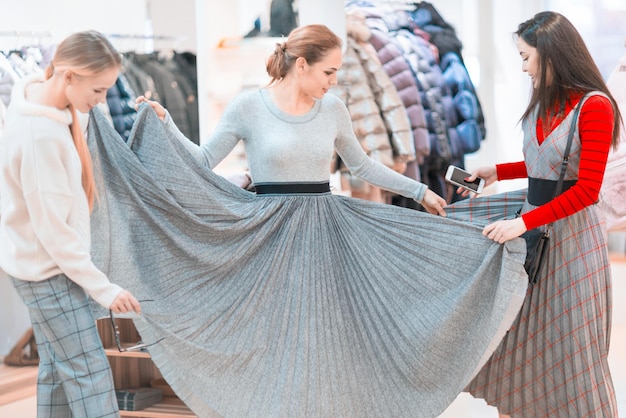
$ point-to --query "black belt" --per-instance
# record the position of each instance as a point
(541, 191)
(292, 188)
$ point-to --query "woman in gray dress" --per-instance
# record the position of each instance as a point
(293, 301)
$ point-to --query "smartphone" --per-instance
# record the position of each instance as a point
(457, 176)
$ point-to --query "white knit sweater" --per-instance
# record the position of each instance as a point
(44, 228)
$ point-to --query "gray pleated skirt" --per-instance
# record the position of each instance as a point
(295, 305)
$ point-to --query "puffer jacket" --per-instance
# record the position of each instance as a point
(354, 90)
(436, 99)
(400, 74)
(392, 108)
(121, 103)
(378, 115)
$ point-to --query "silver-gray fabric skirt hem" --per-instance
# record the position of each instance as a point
(295, 305)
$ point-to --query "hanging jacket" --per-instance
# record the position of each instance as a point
(436, 99)
(394, 64)
(378, 115)
(283, 18)
(170, 91)
(471, 125)
(121, 102)
(140, 81)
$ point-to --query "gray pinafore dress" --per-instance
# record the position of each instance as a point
(553, 361)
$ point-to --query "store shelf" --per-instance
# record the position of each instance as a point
(171, 407)
(132, 369)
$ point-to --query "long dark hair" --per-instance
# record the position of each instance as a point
(563, 54)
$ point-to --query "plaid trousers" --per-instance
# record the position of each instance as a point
(75, 377)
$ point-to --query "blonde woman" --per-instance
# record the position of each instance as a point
(48, 191)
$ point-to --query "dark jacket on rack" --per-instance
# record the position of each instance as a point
(471, 126)
(170, 92)
(140, 81)
(442, 34)
(121, 103)
(187, 63)
(436, 99)
(189, 93)
(471, 120)
(441, 115)
(283, 18)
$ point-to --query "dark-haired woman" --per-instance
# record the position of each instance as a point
(554, 360)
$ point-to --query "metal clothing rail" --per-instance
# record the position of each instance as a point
(24, 33)
(148, 40)
(147, 37)
(14, 40)
(393, 5)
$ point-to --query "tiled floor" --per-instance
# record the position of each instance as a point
(465, 406)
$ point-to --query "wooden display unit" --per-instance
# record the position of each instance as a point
(133, 369)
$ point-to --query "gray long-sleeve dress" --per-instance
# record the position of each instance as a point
(295, 305)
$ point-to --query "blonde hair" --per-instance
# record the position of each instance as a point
(311, 42)
(85, 53)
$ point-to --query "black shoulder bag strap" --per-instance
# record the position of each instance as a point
(537, 250)
(570, 137)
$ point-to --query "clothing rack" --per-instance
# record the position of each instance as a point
(17, 37)
(397, 4)
(25, 34)
(148, 39)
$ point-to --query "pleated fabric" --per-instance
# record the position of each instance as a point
(295, 305)
(554, 360)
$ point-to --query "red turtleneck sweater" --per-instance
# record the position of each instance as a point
(595, 124)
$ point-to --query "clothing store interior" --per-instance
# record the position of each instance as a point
(195, 56)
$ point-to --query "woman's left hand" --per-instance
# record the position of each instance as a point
(158, 108)
(503, 231)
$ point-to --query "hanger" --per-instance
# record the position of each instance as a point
(149, 40)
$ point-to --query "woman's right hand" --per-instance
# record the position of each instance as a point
(489, 173)
(125, 302)
(242, 180)
(433, 203)
(158, 108)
